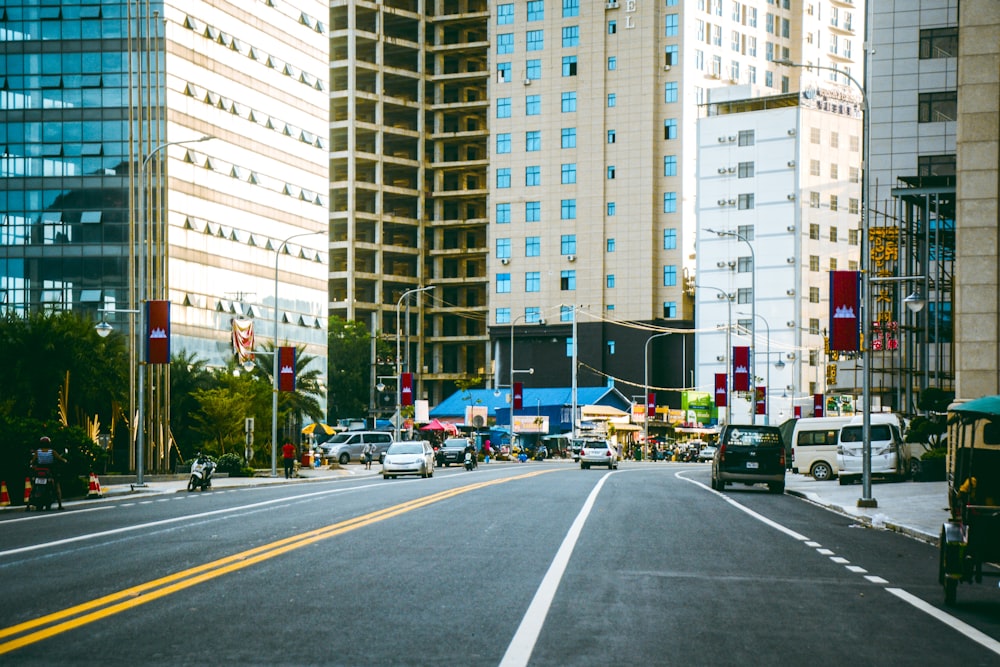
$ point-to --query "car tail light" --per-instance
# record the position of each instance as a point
(722, 452)
(782, 457)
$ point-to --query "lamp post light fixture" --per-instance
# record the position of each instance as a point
(767, 380)
(722, 294)
(275, 369)
(753, 314)
(399, 369)
(645, 384)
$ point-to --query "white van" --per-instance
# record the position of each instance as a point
(814, 446)
(889, 455)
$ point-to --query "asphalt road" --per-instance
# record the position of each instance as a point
(541, 564)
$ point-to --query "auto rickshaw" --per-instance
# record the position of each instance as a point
(971, 537)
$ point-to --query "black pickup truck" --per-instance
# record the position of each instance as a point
(749, 454)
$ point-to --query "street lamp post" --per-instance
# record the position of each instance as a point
(399, 369)
(141, 294)
(767, 380)
(645, 384)
(729, 347)
(753, 316)
(275, 369)
(512, 371)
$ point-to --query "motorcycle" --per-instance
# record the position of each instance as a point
(470, 463)
(201, 474)
(43, 490)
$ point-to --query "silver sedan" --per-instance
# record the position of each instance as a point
(415, 457)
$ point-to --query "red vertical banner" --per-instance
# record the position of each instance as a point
(798, 412)
(518, 397)
(845, 307)
(286, 369)
(818, 404)
(406, 389)
(158, 332)
(741, 369)
(721, 397)
(761, 398)
(651, 405)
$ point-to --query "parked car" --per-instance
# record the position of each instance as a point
(452, 451)
(749, 454)
(889, 455)
(598, 453)
(707, 453)
(350, 445)
(414, 457)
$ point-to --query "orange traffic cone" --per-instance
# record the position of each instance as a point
(94, 487)
(27, 490)
(4, 496)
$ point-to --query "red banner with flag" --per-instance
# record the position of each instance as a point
(518, 398)
(651, 405)
(721, 397)
(158, 332)
(818, 405)
(761, 398)
(286, 369)
(845, 308)
(798, 412)
(406, 389)
(741, 369)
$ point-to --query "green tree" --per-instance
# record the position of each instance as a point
(188, 374)
(293, 406)
(220, 418)
(349, 367)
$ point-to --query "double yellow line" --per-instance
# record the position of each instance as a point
(74, 617)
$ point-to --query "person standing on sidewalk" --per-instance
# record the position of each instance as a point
(367, 455)
(288, 456)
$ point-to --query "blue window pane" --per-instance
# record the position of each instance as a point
(567, 244)
(536, 10)
(567, 209)
(503, 142)
(533, 175)
(669, 275)
(503, 107)
(505, 13)
(533, 105)
(568, 102)
(532, 141)
(505, 42)
(670, 239)
(569, 66)
(503, 249)
(535, 40)
(533, 246)
(611, 208)
(503, 214)
(534, 70)
(568, 174)
(570, 8)
(569, 137)
(669, 202)
(532, 281)
(503, 177)
(503, 315)
(670, 165)
(571, 36)
(503, 283)
(533, 211)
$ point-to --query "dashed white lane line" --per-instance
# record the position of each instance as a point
(839, 560)
(824, 552)
(857, 569)
(876, 580)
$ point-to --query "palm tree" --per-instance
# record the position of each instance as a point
(304, 401)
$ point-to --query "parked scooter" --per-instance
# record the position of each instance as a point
(43, 489)
(470, 462)
(201, 473)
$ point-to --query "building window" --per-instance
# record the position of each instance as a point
(745, 201)
(568, 174)
(744, 264)
(532, 105)
(611, 136)
(813, 200)
(612, 100)
(611, 172)
(565, 313)
(567, 209)
(746, 138)
(571, 36)
(814, 135)
(746, 231)
(505, 13)
(532, 141)
(533, 70)
(533, 281)
(610, 245)
(503, 72)
(612, 63)
(833, 202)
(536, 10)
(854, 142)
(670, 128)
(503, 177)
(567, 244)
(814, 231)
(503, 214)
(853, 237)
(814, 168)
(503, 283)
(835, 140)
(570, 8)
(833, 234)
(533, 211)
(535, 40)
(532, 175)
(505, 43)
(813, 295)
(854, 174)
(569, 347)
(671, 55)
(503, 107)
(569, 66)
(669, 309)
(669, 202)
(567, 281)
(744, 295)
(609, 281)
(503, 142)
(569, 137)
(669, 275)
(669, 165)
(670, 238)
(670, 92)
(503, 315)
(936, 165)
(533, 246)
(532, 314)
(814, 262)
(939, 43)
(814, 326)
(745, 170)
(612, 27)
(611, 208)
(671, 25)
(852, 265)
(503, 249)
(568, 102)
(833, 263)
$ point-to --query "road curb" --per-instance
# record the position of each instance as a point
(867, 520)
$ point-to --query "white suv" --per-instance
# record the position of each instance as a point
(598, 453)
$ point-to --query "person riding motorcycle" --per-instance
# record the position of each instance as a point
(470, 449)
(46, 457)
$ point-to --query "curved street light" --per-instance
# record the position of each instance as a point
(645, 384)
(729, 347)
(399, 369)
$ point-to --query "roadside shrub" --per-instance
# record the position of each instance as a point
(231, 464)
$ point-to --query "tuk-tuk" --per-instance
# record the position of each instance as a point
(971, 537)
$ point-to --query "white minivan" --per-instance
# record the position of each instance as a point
(814, 446)
(889, 455)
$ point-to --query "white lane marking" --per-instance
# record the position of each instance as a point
(164, 522)
(50, 514)
(839, 560)
(972, 633)
(760, 517)
(824, 552)
(810, 543)
(857, 569)
(520, 648)
(876, 580)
